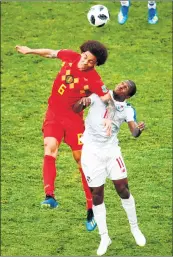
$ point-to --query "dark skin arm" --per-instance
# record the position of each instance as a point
(136, 128)
(85, 102)
(81, 104)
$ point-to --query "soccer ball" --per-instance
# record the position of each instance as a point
(98, 15)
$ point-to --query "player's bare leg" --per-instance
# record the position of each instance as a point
(90, 222)
(128, 204)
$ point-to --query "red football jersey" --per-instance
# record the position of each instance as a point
(71, 84)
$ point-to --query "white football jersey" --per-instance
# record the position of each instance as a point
(95, 131)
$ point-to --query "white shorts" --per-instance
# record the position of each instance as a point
(99, 164)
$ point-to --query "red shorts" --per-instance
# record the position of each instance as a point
(69, 127)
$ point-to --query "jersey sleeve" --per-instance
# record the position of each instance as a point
(130, 113)
(93, 98)
(111, 94)
(96, 85)
(67, 55)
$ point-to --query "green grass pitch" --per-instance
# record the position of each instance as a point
(137, 51)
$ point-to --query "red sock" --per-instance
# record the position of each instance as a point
(88, 195)
(49, 174)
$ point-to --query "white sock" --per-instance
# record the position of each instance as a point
(151, 4)
(130, 209)
(100, 218)
(124, 3)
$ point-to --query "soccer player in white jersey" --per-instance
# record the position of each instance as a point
(102, 158)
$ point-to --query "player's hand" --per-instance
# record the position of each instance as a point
(108, 126)
(85, 101)
(23, 49)
(81, 104)
(141, 126)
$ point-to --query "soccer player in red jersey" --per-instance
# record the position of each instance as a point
(76, 79)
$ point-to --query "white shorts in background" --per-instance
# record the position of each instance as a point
(99, 164)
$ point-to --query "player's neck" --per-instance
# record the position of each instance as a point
(118, 98)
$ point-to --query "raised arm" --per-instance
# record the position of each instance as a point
(136, 128)
(48, 53)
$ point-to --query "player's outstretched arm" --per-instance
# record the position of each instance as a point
(49, 53)
(136, 128)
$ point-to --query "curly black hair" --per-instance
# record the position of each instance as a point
(97, 49)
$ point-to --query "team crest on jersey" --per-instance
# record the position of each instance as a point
(104, 89)
(69, 79)
(119, 108)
